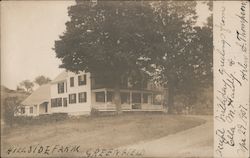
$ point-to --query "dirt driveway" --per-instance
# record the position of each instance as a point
(194, 142)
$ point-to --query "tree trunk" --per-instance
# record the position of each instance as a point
(170, 102)
(171, 93)
(117, 97)
(12, 118)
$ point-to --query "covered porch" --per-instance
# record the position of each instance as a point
(131, 100)
(35, 110)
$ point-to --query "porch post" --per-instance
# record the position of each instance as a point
(141, 100)
(152, 99)
(105, 98)
(130, 99)
(141, 97)
(37, 109)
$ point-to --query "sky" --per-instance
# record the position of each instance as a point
(28, 32)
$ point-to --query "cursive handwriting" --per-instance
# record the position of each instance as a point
(242, 34)
(232, 80)
(226, 137)
(222, 24)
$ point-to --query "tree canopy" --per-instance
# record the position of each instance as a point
(105, 39)
(117, 39)
(40, 80)
(182, 60)
(27, 85)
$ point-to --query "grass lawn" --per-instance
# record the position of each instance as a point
(102, 132)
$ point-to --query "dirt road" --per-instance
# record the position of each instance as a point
(194, 142)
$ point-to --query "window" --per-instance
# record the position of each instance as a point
(100, 97)
(31, 110)
(59, 101)
(82, 80)
(60, 87)
(53, 103)
(72, 98)
(145, 98)
(110, 96)
(71, 81)
(22, 110)
(136, 97)
(125, 98)
(56, 102)
(157, 99)
(82, 97)
(65, 103)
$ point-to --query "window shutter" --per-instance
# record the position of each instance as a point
(85, 97)
(85, 79)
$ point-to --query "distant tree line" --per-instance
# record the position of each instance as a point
(27, 85)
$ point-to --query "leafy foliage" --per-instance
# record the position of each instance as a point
(8, 93)
(115, 40)
(11, 107)
(28, 85)
(40, 80)
(106, 40)
(181, 55)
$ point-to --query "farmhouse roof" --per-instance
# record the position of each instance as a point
(61, 77)
(39, 96)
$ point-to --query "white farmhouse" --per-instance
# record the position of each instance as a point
(77, 94)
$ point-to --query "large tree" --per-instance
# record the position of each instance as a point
(106, 39)
(181, 55)
(40, 80)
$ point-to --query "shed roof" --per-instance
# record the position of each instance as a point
(39, 96)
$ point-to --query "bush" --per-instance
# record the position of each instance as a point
(197, 103)
(11, 107)
(94, 112)
(41, 119)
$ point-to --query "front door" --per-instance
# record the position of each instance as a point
(46, 107)
(136, 100)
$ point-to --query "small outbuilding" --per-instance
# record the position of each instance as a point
(38, 102)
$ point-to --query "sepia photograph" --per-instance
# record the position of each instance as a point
(95, 78)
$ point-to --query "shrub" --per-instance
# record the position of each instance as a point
(199, 102)
(11, 107)
(94, 112)
(41, 119)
